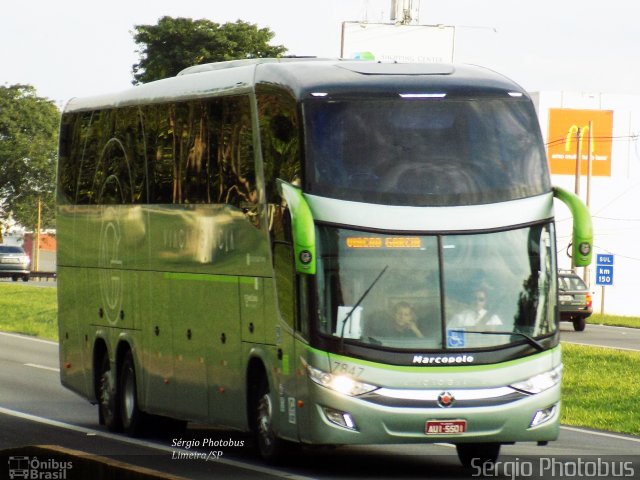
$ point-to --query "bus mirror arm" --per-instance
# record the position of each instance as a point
(302, 226)
(582, 226)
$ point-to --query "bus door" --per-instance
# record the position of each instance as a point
(282, 306)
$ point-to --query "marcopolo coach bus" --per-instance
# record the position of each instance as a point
(321, 252)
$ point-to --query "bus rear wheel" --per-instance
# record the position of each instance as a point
(477, 454)
(108, 404)
(133, 419)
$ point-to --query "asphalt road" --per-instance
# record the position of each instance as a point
(603, 336)
(36, 409)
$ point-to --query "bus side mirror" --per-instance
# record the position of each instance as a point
(303, 228)
(582, 226)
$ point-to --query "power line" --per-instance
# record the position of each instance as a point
(594, 139)
(617, 219)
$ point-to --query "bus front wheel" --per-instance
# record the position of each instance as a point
(271, 447)
(476, 454)
(108, 404)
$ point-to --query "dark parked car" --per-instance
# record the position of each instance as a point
(14, 262)
(574, 299)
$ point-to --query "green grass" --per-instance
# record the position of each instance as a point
(614, 320)
(28, 310)
(601, 389)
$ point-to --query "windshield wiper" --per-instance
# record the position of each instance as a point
(353, 309)
(530, 340)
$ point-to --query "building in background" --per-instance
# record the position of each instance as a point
(44, 259)
(613, 192)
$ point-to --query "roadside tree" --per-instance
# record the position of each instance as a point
(28, 155)
(177, 43)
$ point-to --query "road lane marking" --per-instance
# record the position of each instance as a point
(25, 337)
(42, 367)
(601, 434)
(146, 444)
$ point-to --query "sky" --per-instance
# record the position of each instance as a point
(75, 48)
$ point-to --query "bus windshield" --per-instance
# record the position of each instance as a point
(436, 292)
(424, 152)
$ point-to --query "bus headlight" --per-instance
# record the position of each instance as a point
(339, 383)
(541, 382)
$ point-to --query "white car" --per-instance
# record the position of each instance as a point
(14, 263)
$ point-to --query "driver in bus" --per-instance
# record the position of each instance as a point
(403, 323)
(478, 315)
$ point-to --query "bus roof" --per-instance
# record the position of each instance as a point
(305, 76)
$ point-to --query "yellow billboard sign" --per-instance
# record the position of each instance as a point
(569, 133)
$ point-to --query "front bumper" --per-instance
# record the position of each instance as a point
(383, 424)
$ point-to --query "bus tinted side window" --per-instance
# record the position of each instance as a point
(158, 136)
(90, 144)
(235, 154)
(73, 132)
(178, 153)
(201, 152)
(279, 138)
(119, 174)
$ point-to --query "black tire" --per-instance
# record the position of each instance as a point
(473, 455)
(25, 278)
(270, 447)
(134, 421)
(107, 395)
(579, 324)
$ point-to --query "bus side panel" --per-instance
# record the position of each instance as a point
(206, 239)
(225, 372)
(75, 363)
(192, 309)
(157, 346)
(252, 308)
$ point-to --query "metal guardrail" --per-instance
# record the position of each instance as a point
(43, 275)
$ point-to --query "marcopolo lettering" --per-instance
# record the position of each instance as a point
(442, 359)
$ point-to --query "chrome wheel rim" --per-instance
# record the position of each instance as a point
(265, 413)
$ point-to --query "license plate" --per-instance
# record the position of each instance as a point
(565, 298)
(10, 260)
(445, 427)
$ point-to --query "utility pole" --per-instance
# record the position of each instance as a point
(403, 12)
(577, 180)
(577, 183)
(37, 264)
(585, 273)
